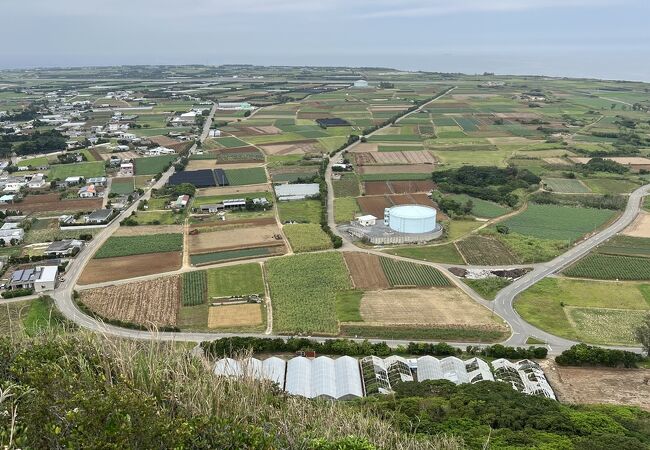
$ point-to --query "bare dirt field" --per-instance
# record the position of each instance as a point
(111, 269)
(589, 385)
(408, 157)
(148, 303)
(239, 237)
(144, 230)
(212, 221)
(198, 164)
(640, 227)
(366, 271)
(122, 155)
(420, 168)
(230, 190)
(364, 147)
(246, 314)
(375, 204)
(438, 306)
(51, 202)
(256, 131)
(292, 148)
(397, 187)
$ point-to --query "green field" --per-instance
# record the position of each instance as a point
(481, 208)
(34, 162)
(610, 185)
(194, 287)
(347, 306)
(122, 186)
(242, 279)
(610, 267)
(229, 255)
(347, 186)
(626, 246)
(301, 211)
(157, 218)
(558, 222)
(303, 292)
(241, 177)
(307, 237)
(530, 249)
(565, 185)
(585, 310)
(403, 273)
(345, 209)
(85, 169)
(487, 288)
(139, 245)
(230, 142)
(153, 164)
(446, 253)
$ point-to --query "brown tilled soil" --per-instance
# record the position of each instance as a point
(292, 148)
(242, 237)
(122, 267)
(247, 314)
(198, 164)
(366, 271)
(148, 303)
(397, 187)
(233, 190)
(589, 385)
(51, 202)
(234, 223)
(437, 306)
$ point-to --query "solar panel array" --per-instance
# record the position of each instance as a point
(332, 122)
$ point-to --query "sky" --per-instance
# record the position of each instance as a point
(592, 38)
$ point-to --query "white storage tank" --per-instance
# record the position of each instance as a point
(411, 218)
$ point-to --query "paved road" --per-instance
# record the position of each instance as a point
(502, 305)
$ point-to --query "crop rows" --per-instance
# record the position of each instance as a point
(239, 177)
(608, 267)
(403, 273)
(626, 245)
(303, 291)
(307, 237)
(195, 285)
(139, 245)
(481, 250)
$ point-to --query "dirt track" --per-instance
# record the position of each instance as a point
(640, 227)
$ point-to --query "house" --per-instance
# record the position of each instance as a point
(361, 84)
(367, 221)
(14, 187)
(99, 216)
(214, 133)
(37, 181)
(88, 191)
(126, 168)
(8, 198)
(288, 192)
(97, 181)
(40, 278)
(66, 247)
(11, 234)
(180, 202)
(73, 181)
(160, 151)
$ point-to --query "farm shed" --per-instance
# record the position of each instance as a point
(366, 221)
(288, 192)
(360, 84)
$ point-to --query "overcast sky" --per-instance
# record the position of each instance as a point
(600, 38)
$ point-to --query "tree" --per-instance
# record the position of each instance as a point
(642, 333)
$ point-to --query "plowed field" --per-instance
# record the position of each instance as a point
(366, 271)
(111, 269)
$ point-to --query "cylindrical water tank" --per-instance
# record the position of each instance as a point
(412, 219)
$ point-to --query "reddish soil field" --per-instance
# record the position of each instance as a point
(397, 187)
(375, 204)
(383, 158)
(366, 271)
(419, 168)
(111, 269)
(239, 223)
(256, 131)
(51, 202)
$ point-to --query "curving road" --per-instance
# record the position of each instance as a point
(502, 305)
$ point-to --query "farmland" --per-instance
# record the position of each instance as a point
(610, 267)
(194, 287)
(303, 291)
(301, 211)
(85, 169)
(241, 177)
(558, 222)
(626, 246)
(241, 279)
(123, 186)
(232, 255)
(111, 269)
(235, 316)
(446, 253)
(306, 237)
(403, 273)
(590, 311)
(138, 245)
(565, 185)
(366, 271)
(345, 209)
(485, 251)
(146, 303)
(152, 164)
(487, 288)
(481, 208)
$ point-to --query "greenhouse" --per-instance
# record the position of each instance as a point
(524, 376)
